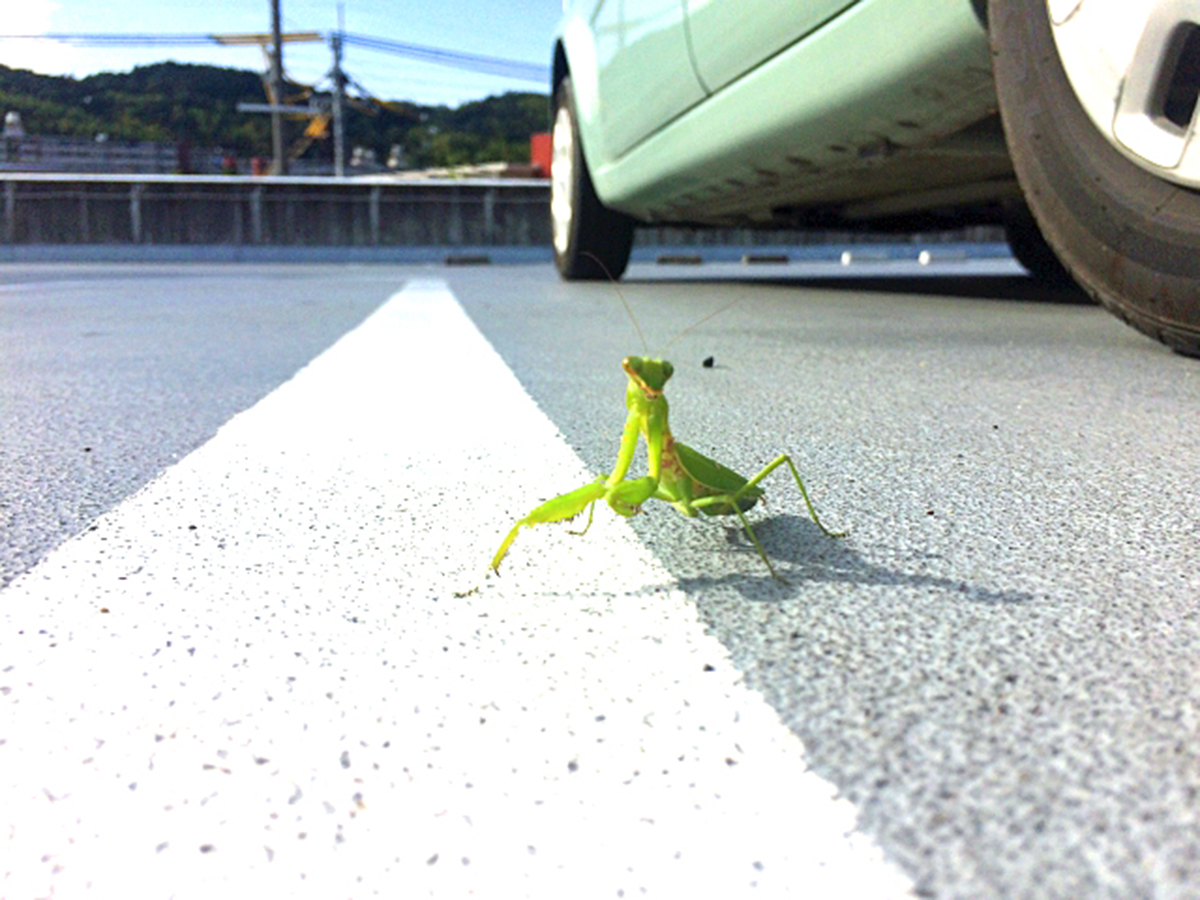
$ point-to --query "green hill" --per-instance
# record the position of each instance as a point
(198, 104)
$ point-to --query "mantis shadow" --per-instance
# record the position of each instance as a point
(803, 555)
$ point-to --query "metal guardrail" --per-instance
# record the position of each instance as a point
(287, 211)
(249, 215)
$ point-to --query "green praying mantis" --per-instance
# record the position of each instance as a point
(677, 474)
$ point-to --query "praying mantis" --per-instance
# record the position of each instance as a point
(677, 474)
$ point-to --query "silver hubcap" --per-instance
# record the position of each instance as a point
(1135, 67)
(562, 200)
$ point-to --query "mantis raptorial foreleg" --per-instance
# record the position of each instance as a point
(591, 511)
(561, 508)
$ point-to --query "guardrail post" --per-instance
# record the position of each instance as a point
(256, 223)
(135, 212)
(85, 227)
(10, 212)
(373, 213)
(489, 216)
(455, 225)
(239, 227)
(289, 220)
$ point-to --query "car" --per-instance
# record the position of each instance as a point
(1070, 121)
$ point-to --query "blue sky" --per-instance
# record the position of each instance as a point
(512, 29)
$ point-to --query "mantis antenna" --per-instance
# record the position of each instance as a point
(633, 318)
(624, 302)
(698, 323)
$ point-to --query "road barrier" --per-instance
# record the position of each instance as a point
(174, 210)
(61, 216)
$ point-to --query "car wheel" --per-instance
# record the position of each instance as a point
(591, 241)
(1097, 101)
(1030, 249)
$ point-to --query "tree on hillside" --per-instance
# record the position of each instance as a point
(198, 104)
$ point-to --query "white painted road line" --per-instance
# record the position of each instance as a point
(253, 679)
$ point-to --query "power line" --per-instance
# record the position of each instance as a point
(119, 40)
(489, 65)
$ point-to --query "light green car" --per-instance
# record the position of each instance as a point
(893, 113)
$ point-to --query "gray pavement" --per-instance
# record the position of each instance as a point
(261, 660)
(996, 666)
(110, 373)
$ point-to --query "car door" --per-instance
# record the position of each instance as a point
(644, 73)
(730, 37)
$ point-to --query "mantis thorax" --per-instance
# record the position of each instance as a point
(644, 396)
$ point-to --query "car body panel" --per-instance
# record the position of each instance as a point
(644, 70)
(876, 106)
(729, 39)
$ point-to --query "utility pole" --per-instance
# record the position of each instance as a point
(339, 97)
(277, 144)
(271, 45)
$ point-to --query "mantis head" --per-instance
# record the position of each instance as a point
(649, 375)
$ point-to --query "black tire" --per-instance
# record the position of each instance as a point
(1030, 249)
(591, 241)
(1131, 239)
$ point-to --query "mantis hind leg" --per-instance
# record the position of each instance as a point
(767, 470)
(730, 501)
(758, 545)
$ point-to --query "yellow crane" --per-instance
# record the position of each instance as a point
(266, 42)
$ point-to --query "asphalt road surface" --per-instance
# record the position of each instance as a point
(108, 374)
(987, 689)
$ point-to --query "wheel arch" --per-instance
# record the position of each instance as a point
(575, 57)
(1129, 238)
(559, 69)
